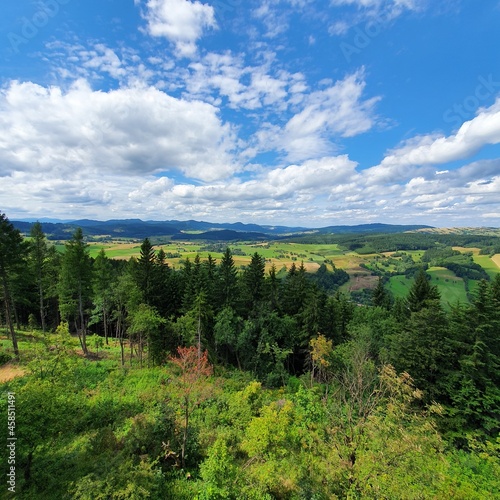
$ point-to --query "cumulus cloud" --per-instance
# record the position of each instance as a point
(244, 85)
(473, 135)
(83, 194)
(129, 130)
(119, 151)
(337, 111)
(182, 22)
(318, 176)
(288, 190)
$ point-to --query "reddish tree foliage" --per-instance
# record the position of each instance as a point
(192, 366)
(193, 385)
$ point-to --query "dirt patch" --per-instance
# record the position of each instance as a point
(362, 282)
(10, 371)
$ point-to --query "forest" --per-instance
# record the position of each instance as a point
(213, 381)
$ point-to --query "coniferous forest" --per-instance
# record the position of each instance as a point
(214, 382)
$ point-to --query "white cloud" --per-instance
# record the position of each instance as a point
(378, 12)
(131, 130)
(180, 21)
(393, 8)
(300, 190)
(473, 135)
(337, 111)
(245, 86)
(96, 61)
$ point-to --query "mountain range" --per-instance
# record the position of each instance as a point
(194, 230)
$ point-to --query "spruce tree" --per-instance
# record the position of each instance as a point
(228, 279)
(380, 296)
(39, 257)
(75, 285)
(422, 293)
(254, 281)
(12, 256)
(145, 271)
(103, 277)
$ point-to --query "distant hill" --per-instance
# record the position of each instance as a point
(478, 231)
(373, 228)
(195, 230)
(222, 235)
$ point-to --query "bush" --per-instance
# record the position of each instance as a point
(4, 358)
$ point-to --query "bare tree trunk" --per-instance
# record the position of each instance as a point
(82, 323)
(79, 334)
(8, 317)
(119, 334)
(105, 322)
(16, 316)
(185, 433)
(131, 350)
(42, 307)
(199, 336)
(140, 349)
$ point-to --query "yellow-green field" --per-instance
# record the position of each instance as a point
(283, 255)
(279, 254)
(490, 264)
(496, 260)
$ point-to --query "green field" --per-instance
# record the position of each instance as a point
(284, 254)
(399, 286)
(279, 254)
(451, 288)
(487, 264)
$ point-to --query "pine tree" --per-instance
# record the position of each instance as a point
(380, 297)
(164, 292)
(12, 255)
(254, 282)
(145, 271)
(423, 349)
(295, 290)
(209, 278)
(103, 277)
(75, 285)
(39, 256)
(228, 279)
(422, 293)
(273, 287)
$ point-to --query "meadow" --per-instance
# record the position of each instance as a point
(363, 269)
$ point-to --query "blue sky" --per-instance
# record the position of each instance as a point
(296, 112)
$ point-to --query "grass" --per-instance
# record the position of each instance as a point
(488, 264)
(277, 253)
(399, 286)
(451, 288)
(496, 260)
(284, 254)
